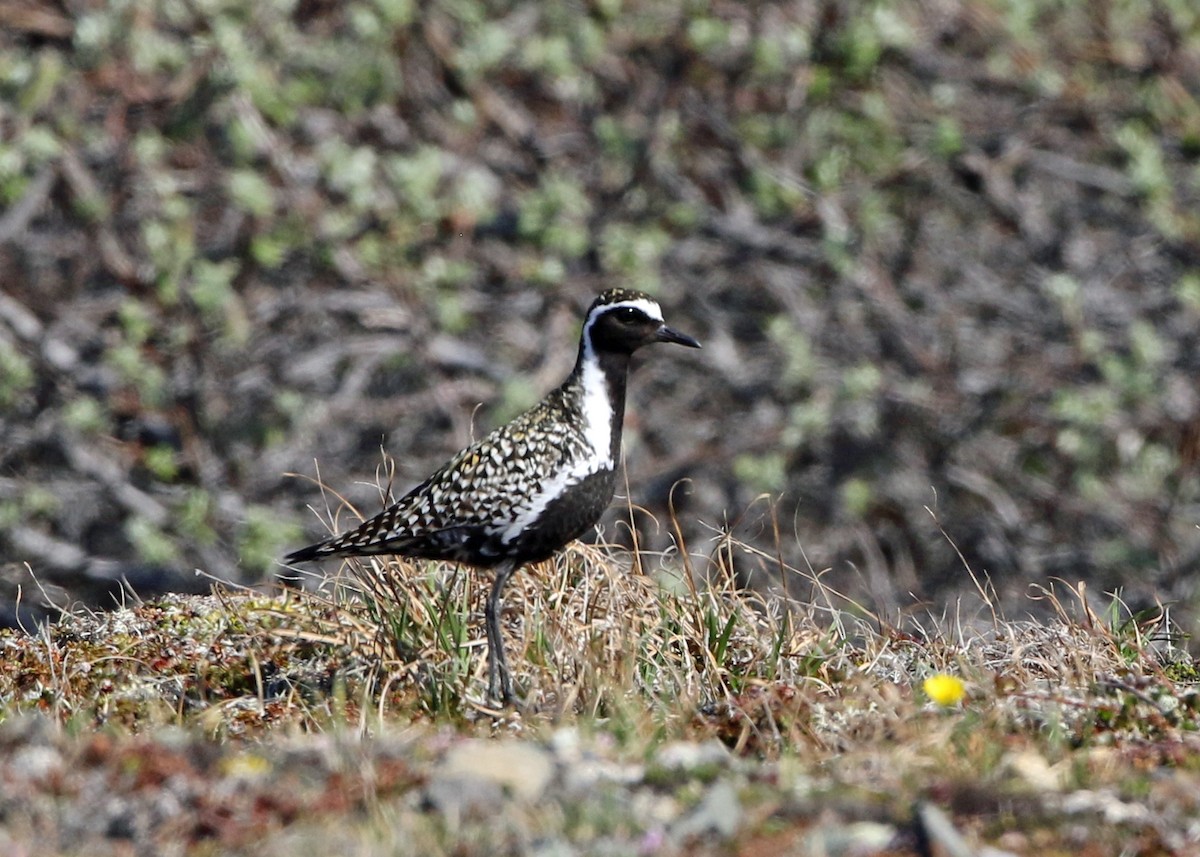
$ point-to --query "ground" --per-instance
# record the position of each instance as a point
(942, 258)
(656, 720)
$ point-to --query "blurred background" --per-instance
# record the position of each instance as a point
(944, 258)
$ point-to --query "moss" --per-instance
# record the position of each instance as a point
(16, 375)
(261, 539)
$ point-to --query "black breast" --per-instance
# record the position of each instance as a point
(566, 517)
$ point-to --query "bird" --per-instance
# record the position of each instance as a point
(525, 490)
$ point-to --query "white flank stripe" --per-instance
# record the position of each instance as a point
(528, 514)
(597, 417)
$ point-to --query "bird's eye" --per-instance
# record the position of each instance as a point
(628, 315)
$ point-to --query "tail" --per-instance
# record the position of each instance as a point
(374, 536)
(364, 540)
(317, 551)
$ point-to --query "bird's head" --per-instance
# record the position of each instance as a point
(623, 320)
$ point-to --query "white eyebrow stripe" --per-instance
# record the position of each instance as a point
(650, 308)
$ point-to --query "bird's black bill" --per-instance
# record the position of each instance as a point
(665, 334)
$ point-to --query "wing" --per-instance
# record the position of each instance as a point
(469, 507)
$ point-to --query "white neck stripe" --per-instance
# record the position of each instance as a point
(597, 425)
(597, 407)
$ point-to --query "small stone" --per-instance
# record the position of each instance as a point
(22, 730)
(939, 834)
(457, 798)
(850, 840)
(38, 763)
(519, 769)
(689, 757)
(1038, 772)
(720, 812)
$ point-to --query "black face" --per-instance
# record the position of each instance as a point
(628, 328)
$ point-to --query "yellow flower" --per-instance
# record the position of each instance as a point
(945, 690)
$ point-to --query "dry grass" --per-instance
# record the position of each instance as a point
(1075, 715)
(645, 646)
(650, 647)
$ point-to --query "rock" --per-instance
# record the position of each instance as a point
(937, 833)
(458, 798)
(476, 777)
(720, 812)
(520, 769)
(850, 840)
(683, 759)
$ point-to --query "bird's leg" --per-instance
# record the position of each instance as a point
(500, 686)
